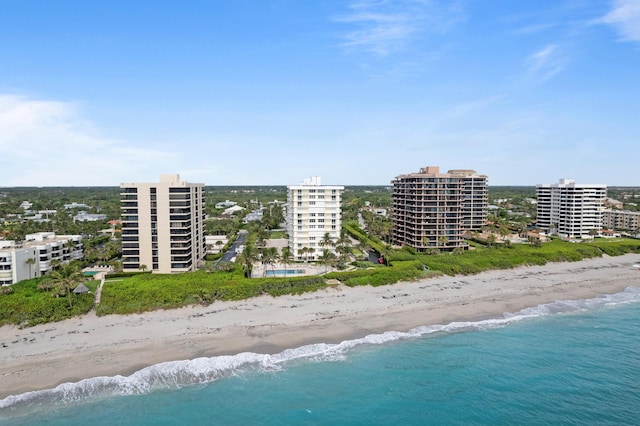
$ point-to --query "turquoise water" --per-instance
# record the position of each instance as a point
(571, 362)
(281, 272)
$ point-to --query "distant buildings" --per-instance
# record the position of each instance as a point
(89, 217)
(570, 210)
(225, 204)
(313, 210)
(162, 225)
(432, 210)
(34, 256)
(621, 220)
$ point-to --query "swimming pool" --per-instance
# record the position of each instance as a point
(283, 272)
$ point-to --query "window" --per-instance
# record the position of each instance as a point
(312, 220)
(312, 203)
(312, 238)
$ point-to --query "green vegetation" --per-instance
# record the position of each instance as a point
(27, 305)
(148, 292)
(616, 247)
(400, 271)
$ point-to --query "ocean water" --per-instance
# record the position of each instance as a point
(568, 362)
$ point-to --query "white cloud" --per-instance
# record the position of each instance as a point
(385, 26)
(47, 143)
(625, 18)
(545, 63)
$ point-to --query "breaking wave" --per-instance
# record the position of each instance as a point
(177, 374)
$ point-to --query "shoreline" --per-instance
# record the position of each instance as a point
(46, 355)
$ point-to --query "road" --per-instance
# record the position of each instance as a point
(231, 252)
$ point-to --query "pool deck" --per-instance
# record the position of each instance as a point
(309, 269)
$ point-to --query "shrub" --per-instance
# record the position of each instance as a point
(25, 305)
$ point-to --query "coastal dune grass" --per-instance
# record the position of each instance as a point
(149, 292)
(26, 305)
(479, 260)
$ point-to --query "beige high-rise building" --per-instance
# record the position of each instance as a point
(163, 225)
(621, 220)
(432, 210)
(570, 210)
(313, 210)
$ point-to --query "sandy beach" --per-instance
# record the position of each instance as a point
(44, 356)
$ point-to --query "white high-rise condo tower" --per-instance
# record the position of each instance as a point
(313, 210)
(570, 210)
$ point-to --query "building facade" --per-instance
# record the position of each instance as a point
(621, 220)
(432, 210)
(34, 256)
(313, 210)
(163, 225)
(570, 210)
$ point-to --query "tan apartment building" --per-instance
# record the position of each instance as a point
(313, 210)
(432, 210)
(163, 225)
(621, 220)
(569, 209)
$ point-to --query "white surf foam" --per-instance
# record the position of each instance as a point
(177, 374)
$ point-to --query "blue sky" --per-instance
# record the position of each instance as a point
(269, 92)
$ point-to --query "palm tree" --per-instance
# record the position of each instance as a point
(69, 247)
(327, 258)
(385, 230)
(327, 241)
(31, 261)
(304, 251)
(344, 251)
(491, 240)
(523, 229)
(64, 279)
(247, 258)
(286, 257)
(504, 231)
(143, 267)
(54, 263)
(386, 251)
(269, 257)
(344, 239)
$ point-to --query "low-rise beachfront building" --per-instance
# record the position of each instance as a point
(163, 225)
(621, 220)
(33, 257)
(432, 210)
(569, 209)
(17, 263)
(313, 210)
